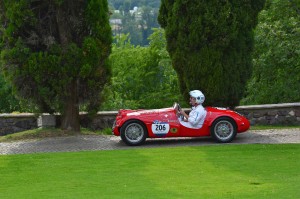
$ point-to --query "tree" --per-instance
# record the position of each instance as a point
(147, 23)
(142, 76)
(8, 102)
(138, 22)
(55, 53)
(276, 69)
(210, 44)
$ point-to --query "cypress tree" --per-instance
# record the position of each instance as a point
(55, 53)
(210, 44)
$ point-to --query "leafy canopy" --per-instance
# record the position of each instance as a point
(276, 74)
(142, 76)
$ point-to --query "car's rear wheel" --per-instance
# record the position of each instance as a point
(223, 130)
(133, 133)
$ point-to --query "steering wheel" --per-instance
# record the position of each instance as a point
(178, 107)
(178, 112)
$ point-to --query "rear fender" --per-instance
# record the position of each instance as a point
(228, 117)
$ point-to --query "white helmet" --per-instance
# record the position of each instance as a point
(198, 95)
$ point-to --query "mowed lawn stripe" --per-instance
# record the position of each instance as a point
(220, 171)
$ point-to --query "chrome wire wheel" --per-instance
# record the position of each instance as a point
(224, 130)
(133, 133)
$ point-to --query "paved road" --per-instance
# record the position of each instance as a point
(93, 142)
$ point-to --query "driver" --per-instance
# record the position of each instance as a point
(196, 117)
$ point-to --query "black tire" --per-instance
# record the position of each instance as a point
(223, 130)
(134, 133)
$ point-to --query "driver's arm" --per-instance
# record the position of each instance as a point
(184, 114)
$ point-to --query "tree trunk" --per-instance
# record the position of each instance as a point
(70, 115)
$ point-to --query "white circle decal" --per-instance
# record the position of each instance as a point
(160, 128)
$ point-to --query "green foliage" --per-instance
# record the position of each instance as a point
(8, 102)
(276, 72)
(210, 44)
(142, 76)
(52, 49)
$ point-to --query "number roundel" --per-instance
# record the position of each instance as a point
(160, 128)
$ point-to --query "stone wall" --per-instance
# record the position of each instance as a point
(269, 114)
(12, 123)
(102, 120)
(272, 114)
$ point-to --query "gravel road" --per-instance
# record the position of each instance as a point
(101, 142)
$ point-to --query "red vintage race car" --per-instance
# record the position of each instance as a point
(134, 126)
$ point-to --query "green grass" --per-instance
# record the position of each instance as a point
(266, 127)
(220, 171)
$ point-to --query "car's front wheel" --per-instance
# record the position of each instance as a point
(223, 130)
(133, 133)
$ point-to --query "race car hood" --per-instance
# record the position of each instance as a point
(142, 112)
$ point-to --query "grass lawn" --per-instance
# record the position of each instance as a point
(266, 127)
(220, 171)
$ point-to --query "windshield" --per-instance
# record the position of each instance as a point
(175, 106)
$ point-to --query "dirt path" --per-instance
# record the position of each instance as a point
(92, 142)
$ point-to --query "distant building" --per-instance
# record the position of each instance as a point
(116, 26)
(115, 21)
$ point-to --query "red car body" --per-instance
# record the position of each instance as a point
(134, 126)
